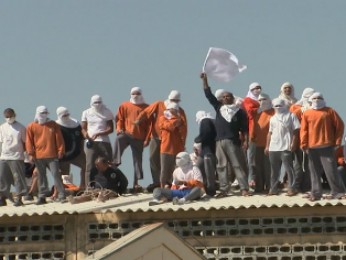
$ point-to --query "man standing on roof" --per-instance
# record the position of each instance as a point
(230, 121)
(45, 146)
(252, 107)
(130, 134)
(12, 147)
(74, 144)
(321, 133)
(97, 124)
(153, 113)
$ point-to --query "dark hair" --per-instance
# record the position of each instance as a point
(9, 110)
(101, 159)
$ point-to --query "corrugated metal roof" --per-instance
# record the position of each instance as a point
(139, 203)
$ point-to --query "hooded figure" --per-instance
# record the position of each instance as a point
(136, 96)
(265, 102)
(41, 115)
(317, 101)
(287, 93)
(64, 118)
(173, 97)
(254, 90)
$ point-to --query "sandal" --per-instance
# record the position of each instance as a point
(137, 189)
(246, 193)
(312, 198)
(222, 194)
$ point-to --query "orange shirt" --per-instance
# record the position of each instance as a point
(173, 135)
(251, 106)
(261, 127)
(125, 118)
(152, 113)
(297, 110)
(44, 141)
(321, 128)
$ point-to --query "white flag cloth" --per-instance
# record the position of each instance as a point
(222, 65)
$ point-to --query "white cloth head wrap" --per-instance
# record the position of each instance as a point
(136, 99)
(200, 115)
(317, 103)
(65, 121)
(183, 159)
(266, 103)
(175, 94)
(218, 93)
(290, 99)
(250, 94)
(39, 117)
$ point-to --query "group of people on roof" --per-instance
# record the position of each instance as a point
(248, 141)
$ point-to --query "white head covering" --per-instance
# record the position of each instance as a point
(97, 108)
(250, 93)
(172, 105)
(265, 101)
(175, 94)
(290, 99)
(136, 99)
(94, 99)
(317, 103)
(65, 121)
(39, 117)
(200, 115)
(307, 92)
(218, 93)
(279, 102)
(183, 159)
(282, 112)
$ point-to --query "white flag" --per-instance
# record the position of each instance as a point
(222, 65)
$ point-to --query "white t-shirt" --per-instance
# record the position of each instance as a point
(282, 128)
(97, 122)
(191, 173)
(12, 139)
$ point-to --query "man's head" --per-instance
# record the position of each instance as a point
(10, 115)
(96, 102)
(41, 114)
(174, 96)
(255, 88)
(279, 105)
(173, 108)
(62, 113)
(101, 164)
(287, 88)
(227, 98)
(183, 159)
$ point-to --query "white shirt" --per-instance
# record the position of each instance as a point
(282, 128)
(12, 139)
(187, 174)
(97, 122)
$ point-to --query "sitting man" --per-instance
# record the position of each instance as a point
(187, 183)
(106, 182)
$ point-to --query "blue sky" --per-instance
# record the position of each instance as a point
(60, 53)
